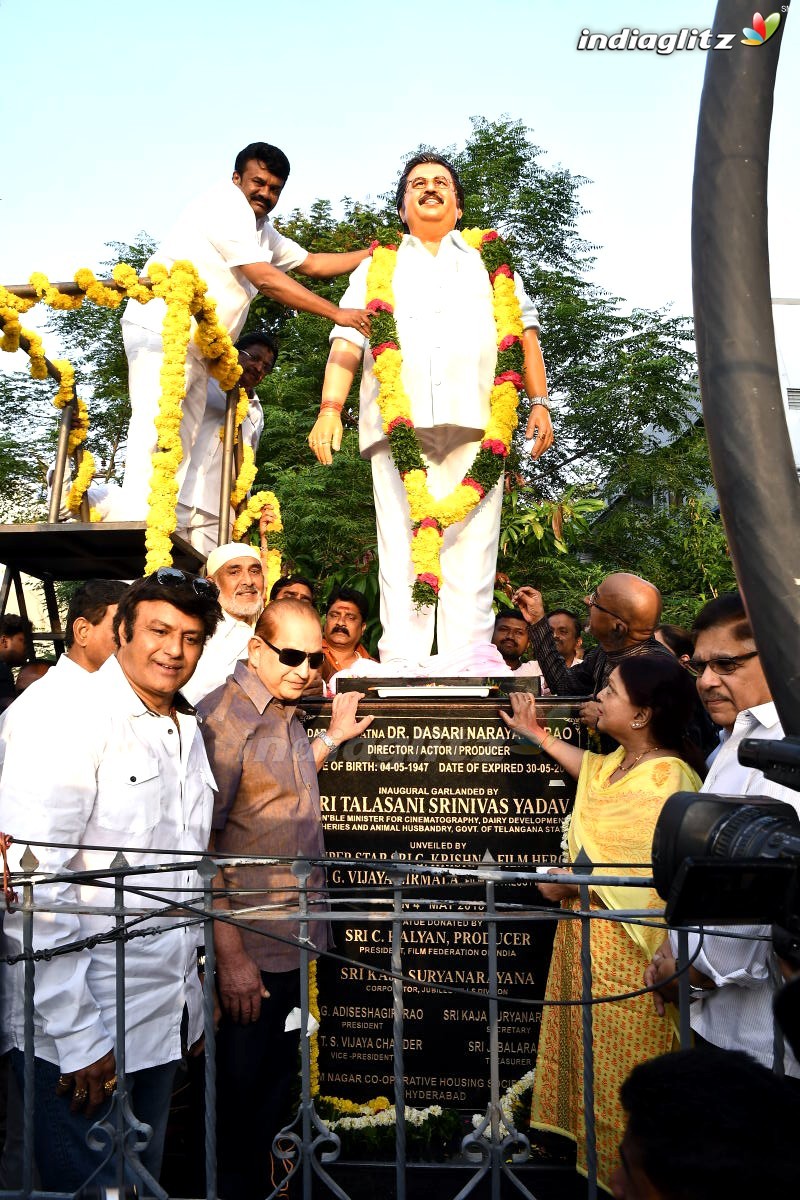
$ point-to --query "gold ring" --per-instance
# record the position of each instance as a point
(80, 1095)
(110, 1084)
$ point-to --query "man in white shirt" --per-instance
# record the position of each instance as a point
(227, 235)
(123, 767)
(88, 642)
(733, 979)
(198, 502)
(237, 571)
(448, 339)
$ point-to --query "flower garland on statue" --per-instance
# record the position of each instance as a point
(431, 517)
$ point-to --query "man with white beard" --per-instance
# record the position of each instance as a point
(237, 571)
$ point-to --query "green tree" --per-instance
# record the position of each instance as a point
(622, 382)
(92, 341)
(623, 387)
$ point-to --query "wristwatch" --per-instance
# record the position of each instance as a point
(327, 740)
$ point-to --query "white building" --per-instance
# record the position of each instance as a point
(786, 319)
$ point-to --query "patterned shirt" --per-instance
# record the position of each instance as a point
(267, 804)
(585, 678)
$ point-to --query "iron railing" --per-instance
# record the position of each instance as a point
(493, 1150)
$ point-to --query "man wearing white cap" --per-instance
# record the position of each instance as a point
(236, 570)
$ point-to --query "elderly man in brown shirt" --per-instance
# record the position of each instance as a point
(267, 803)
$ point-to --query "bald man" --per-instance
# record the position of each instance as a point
(624, 611)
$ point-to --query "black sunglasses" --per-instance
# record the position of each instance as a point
(171, 577)
(295, 658)
(725, 665)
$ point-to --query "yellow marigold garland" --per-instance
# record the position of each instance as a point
(430, 517)
(81, 482)
(252, 512)
(244, 480)
(313, 1009)
(185, 296)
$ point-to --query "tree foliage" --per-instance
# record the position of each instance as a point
(623, 385)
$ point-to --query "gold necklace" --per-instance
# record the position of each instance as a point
(624, 770)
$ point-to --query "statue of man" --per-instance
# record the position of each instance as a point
(443, 308)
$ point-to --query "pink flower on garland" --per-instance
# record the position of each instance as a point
(509, 377)
(491, 235)
(400, 421)
(430, 580)
(380, 306)
(496, 447)
(508, 341)
(429, 523)
(379, 349)
(468, 481)
(503, 269)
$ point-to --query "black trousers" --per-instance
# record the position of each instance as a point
(257, 1069)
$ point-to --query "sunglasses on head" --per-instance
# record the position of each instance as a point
(172, 577)
(295, 658)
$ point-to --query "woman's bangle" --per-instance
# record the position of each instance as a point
(548, 737)
(331, 405)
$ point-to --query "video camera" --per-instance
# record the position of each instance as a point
(727, 860)
(724, 860)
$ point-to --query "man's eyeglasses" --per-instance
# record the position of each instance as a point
(264, 367)
(295, 658)
(724, 665)
(592, 602)
(420, 184)
(172, 577)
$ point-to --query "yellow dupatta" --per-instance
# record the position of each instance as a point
(614, 823)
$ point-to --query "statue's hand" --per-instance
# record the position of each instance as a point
(540, 425)
(326, 436)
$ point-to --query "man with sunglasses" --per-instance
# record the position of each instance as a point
(123, 767)
(624, 611)
(267, 803)
(733, 979)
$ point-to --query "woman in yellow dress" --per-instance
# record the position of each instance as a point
(645, 706)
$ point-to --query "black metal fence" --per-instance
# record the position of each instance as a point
(494, 1150)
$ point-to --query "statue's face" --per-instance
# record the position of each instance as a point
(430, 202)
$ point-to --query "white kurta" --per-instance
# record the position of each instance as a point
(737, 1015)
(109, 773)
(445, 322)
(219, 233)
(226, 646)
(198, 502)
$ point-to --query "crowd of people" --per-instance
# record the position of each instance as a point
(234, 770)
(169, 727)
